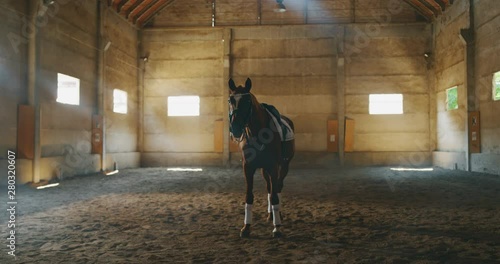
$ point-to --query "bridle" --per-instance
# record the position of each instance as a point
(246, 120)
(247, 133)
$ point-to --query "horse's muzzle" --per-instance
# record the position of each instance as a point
(237, 131)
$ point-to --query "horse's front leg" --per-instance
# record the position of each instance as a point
(275, 203)
(249, 172)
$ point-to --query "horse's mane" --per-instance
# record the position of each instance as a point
(255, 102)
(259, 110)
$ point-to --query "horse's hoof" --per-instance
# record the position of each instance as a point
(277, 232)
(245, 231)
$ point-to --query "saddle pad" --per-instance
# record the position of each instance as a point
(289, 132)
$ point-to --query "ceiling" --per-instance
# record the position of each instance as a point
(429, 9)
(178, 13)
(139, 12)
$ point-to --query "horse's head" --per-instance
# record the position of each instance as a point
(240, 106)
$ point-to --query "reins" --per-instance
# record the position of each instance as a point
(247, 134)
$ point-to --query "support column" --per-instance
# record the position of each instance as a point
(341, 94)
(140, 85)
(228, 38)
(33, 94)
(469, 38)
(101, 93)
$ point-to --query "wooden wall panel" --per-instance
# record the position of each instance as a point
(25, 132)
(233, 146)
(349, 135)
(219, 136)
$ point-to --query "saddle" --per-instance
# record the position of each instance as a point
(285, 131)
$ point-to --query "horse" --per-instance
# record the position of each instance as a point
(262, 147)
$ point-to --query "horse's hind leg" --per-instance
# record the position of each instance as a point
(267, 178)
(288, 153)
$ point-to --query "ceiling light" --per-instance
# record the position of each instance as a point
(280, 7)
(48, 2)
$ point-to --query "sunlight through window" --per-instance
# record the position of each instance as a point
(386, 104)
(119, 101)
(68, 89)
(183, 106)
(184, 169)
(496, 86)
(412, 169)
(452, 98)
(47, 186)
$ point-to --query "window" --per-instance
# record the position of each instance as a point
(119, 101)
(496, 86)
(68, 89)
(452, 98)
(386, 104)
(183, 106)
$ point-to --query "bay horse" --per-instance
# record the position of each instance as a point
(262, 147)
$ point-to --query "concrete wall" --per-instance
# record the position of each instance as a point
(487, 24)
(450, 71)
(388, 59)
(12, 75)
(12, 71)
(295, 69)
(299, 12)
(292, 68)
(121, 73)
(182, 62)
(66, 43)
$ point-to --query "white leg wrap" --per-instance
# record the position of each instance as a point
(269, 210)
(276, 215)
(248, 214)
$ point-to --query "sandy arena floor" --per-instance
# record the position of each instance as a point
(360, 215)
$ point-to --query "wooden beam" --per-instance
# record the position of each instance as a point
(158, 12)
(433, 6)
(442, 4)
(421, 9)
(115, 4)
(150, 12)
(139, 10)
(127, 7)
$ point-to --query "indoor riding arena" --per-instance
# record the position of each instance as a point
(250, 131)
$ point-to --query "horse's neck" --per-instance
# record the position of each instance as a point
(259, 117)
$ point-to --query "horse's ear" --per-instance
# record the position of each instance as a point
(248, 85)
(232, 86)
